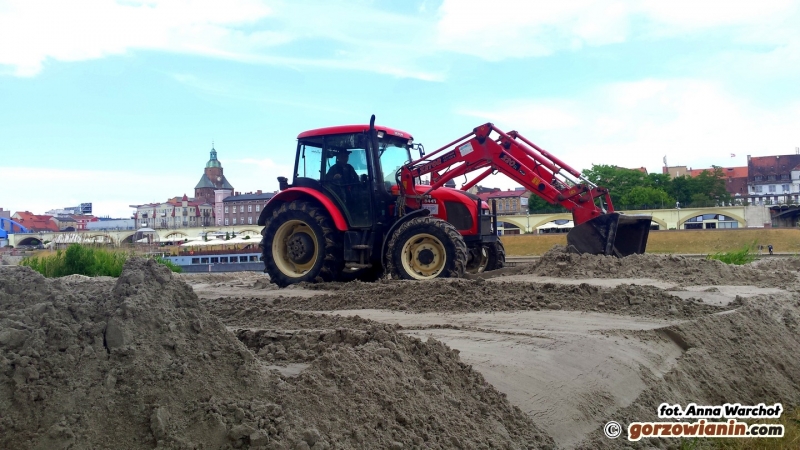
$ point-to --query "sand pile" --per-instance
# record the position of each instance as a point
(458, 295)
(139, 363)
(747, 356)
(674, 268)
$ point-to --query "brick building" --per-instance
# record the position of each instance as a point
(178, 212)
(212, 179)
(244, 209)
(773, 180)
(508, 202)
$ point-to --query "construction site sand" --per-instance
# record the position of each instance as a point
(542, 355)
(138, 362)
(574, 350)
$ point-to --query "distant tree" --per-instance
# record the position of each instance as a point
(227, 236)
(619, 181)
(712, 184)
(659, 180)
(645, 196)
(538, 205)
(701, 200)
(680, 190)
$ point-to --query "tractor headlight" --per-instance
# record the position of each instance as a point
(380, 134)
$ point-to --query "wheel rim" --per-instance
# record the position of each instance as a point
(423, 256)
(484, 261)
(294, 248)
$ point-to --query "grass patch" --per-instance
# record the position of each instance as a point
(785, 240)
(83, 260)
(738, 257)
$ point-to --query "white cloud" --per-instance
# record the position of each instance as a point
(694, 122)
(242, 30)
(110, 192)
(87, 29)
(522, 28)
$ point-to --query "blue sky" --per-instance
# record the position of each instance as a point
(117, 103)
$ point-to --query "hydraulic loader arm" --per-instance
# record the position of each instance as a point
(489, 149)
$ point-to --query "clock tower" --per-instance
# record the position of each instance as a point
(212, 179)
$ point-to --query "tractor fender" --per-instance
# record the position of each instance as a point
(295, 193)
(416, 213)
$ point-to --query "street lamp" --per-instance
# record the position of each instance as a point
(528, 228)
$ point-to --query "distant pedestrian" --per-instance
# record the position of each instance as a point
(769, 247)
(760, 249)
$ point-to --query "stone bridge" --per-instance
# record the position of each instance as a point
(121, 237)
(666, 219)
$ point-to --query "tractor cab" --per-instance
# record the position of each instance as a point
(353, 168)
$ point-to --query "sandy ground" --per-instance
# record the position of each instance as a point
(534, 356)
(569, 370)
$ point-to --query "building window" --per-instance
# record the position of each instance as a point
(257, 208)
(241, 208)
(234, 220)
(785, 188)
(249, 208)
(249, 220)
(226, 209)
(772, 188)
(758, 188)
(226, 221)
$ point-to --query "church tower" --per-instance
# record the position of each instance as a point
(212, 179)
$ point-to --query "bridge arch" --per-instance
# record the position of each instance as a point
(739, 219)
(175, 235)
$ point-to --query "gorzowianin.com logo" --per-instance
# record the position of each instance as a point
(729, 426)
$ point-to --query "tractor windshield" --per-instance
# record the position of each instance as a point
(394, 154)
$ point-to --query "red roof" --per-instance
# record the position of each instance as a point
(765, 166)
(504, 194)
(730, 172)
(343, 129)
(35, 222)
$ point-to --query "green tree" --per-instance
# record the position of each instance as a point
(701, 200)
(538, 205)
(680, 190)
(650, 197)
(711, 183)
(619, 181)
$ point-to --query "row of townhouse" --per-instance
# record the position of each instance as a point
(183, 212)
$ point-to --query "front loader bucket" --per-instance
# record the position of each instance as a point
(611, 234)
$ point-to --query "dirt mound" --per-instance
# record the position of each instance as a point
(458, 295)
(139, 363)
(747, 356)
(674, 268)
(260, 313)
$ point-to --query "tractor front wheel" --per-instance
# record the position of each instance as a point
(425, 248)
(497, 256)
(301, 244)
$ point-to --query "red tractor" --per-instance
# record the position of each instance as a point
(357, 206)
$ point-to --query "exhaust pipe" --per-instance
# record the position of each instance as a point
(611, 234)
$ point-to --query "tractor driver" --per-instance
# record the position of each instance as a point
(342, 172)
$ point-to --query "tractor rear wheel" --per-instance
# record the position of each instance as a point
(425, 248)
(301, 244)
(497, 256)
